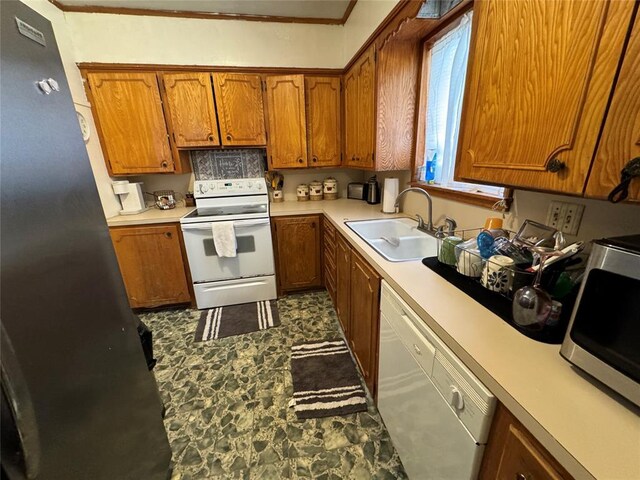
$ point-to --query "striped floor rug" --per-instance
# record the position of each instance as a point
(325, 381)
(232, 320)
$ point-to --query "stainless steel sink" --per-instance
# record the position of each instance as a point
(396, 239)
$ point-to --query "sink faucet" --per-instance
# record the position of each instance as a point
(421, 225)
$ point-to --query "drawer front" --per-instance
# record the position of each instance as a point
(521, 459)
(329, 230)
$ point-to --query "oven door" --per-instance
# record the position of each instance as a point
(254, 255)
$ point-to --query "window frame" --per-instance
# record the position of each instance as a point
(464, 196)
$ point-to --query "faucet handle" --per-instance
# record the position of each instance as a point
(420, 221)
(451, 225)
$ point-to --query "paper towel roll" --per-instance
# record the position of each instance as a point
(391, 187)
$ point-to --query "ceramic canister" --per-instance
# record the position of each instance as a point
(302, 192)
(497, 274)
(315, 190)
(330, 188)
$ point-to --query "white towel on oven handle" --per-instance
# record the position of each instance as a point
(224, 239)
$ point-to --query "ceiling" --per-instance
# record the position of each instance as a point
(305, 11)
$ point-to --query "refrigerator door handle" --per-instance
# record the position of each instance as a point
(19, 400)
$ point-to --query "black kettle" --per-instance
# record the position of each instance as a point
(373, 191)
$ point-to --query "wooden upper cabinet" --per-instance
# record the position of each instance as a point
(359, 100)
(351, 117)
(366, 109)
(620, 141)
(128, 113)
(191, 110)
(151, 264)
(287, 123)
(541, 73)
(240, 109)
(323, 120)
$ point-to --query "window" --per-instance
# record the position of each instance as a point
(447, 69)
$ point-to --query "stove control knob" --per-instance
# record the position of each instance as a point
(259, 186)
(249, 184)
(212, 186)
(204, 188)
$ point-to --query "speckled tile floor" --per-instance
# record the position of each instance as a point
(227, 403)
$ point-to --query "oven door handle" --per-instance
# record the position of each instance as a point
(236, 224)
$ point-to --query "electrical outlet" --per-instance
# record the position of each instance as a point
(572, 218)
(565, 217)
(554, 215)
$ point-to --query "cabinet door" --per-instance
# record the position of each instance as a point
(191, 110)
(298, 252)
(366, 109)
(620, 141)
(364, 307)
(287, 125)
(323, 120)
(541, 72)
(240, 109)
(151, 264)
(343, 283)
(131, 122)
(513, 453)
(351, 117)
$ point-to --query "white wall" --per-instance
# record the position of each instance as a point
(164, 40)
(364, 19)
(109, 201)
(600, 219)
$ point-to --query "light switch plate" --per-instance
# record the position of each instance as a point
(572, 218)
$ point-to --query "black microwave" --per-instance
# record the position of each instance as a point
(603, 337)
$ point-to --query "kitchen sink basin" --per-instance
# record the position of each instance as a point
(397, 239)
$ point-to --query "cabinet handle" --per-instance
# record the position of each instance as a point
(299, 160)
(353, 159)
(164, 164)
(168, 234)
(211, 138)
(521, 476)
(229, 136)
(314, 158)
(555, 165)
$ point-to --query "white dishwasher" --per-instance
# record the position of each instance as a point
(437, 412)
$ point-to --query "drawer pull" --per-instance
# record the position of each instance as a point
(522, 476)
(415, 347)
(168, 234)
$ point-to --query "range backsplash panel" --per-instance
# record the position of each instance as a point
(228, 164)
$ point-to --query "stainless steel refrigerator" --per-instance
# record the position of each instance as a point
(78, 401)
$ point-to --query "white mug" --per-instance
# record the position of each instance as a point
(497, 274)
(469, 262)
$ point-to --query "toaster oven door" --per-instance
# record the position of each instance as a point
(604, 332)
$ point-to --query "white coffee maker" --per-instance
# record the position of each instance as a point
(131, 197)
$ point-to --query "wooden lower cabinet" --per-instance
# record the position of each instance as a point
(364, 322)
(151, 260)
(513, 454)
(297, 245)
(329, 257)
(358, 305)
(343, 283)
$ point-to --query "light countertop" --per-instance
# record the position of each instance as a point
(591, 431)
(151, 216)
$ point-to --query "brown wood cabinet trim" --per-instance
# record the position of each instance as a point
(171, 68)
(148, 12)
(477, 199)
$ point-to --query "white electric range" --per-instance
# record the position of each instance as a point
(250, 275)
